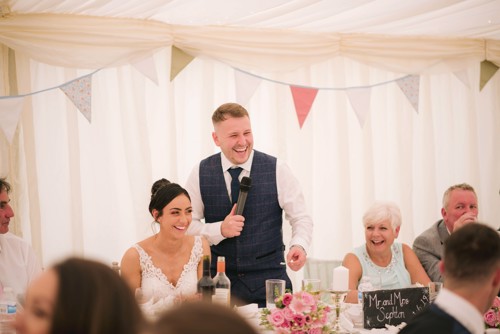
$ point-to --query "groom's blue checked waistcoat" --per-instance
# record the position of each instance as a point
(256, 254)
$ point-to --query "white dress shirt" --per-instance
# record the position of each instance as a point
(290, 199)
(18, 263)
(460, 309)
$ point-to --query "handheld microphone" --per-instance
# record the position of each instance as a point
(245, 185)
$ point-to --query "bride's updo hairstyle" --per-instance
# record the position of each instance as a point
(163, 192)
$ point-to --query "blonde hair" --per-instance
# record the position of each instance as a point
(382, 211)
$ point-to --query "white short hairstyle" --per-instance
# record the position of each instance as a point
(383, 211)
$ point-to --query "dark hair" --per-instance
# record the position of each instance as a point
(4, 185)
(93, 299)
(162, 193)
(201, 317)
(228, 109)
(472, 253)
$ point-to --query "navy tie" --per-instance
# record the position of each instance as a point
(235, 183)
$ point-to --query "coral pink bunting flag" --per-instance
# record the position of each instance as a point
(303, 99)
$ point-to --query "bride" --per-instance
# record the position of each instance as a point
(167, 265)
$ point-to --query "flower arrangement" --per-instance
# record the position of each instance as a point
(297, 313)
(492, 316)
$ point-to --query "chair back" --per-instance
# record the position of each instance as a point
(322, 269)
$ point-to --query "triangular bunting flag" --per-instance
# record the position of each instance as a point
(80, 93)
(246, 85)
(488, 69)
(180, 59)
(147, 67)
(410, 86)
(360, 102)
(463, 76)
(10, 111)
(303, 99)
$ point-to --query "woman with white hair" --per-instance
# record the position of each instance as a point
(389, 264)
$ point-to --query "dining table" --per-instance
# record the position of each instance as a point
(350, 320)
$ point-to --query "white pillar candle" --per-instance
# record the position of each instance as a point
(340, 279)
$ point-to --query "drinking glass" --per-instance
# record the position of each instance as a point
(313, 286)
(275, 288)
(434, 288)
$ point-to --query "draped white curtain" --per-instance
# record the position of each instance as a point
(83, 188)
(91, 181)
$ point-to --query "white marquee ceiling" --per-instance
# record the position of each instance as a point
(471, 18)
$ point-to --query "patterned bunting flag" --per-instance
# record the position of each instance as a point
(410, 86)
(79, 91)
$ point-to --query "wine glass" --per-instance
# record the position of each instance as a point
(313, 286)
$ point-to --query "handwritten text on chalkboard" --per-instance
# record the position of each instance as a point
(393, 306)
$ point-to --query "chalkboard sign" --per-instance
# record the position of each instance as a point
(393, 307)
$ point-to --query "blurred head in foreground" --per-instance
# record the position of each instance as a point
(79, 296)
(471, 264)
(201, 317)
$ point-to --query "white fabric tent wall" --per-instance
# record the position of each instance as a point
(93, 179)
(83, 188)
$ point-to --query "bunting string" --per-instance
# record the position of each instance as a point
(78, 90)
(50, 88)
(382, 83)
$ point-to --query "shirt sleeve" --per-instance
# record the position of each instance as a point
(212, 232)
(291, 200)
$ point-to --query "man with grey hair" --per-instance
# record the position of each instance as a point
(459, 208)
(18, 263)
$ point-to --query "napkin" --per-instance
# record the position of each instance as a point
(354, 312)
(346, 324)
(395, 329)
(155, 306)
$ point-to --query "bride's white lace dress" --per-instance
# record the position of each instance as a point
(155, 284)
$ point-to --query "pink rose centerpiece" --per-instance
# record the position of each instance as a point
(492, 316)
(297, 313)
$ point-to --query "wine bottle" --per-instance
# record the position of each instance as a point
(206, 286)
(222, 283)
